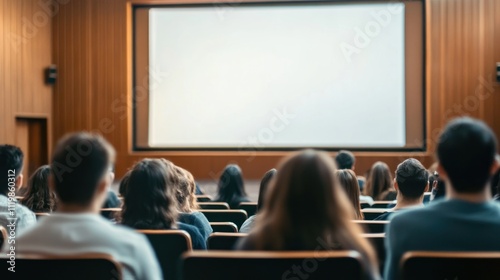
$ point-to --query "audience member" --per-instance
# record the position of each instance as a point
(495, 186)
(467, 220)
(411, 182)
(39, 197)
(80, 173)
(112, 200)
(379, 183)
(249, 224)
(305, 209)
(150, 201)
(187, 204)
(347, 179)
(346, 160)
(438, 187)
(122, 188)
(11, 168)
(231, 188)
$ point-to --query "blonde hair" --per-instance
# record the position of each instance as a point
(306, 207)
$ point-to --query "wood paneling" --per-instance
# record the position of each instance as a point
(92, 48)
(25, 51)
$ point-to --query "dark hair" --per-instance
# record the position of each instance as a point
(264, 183)
(11, 158)
(230, 187)
(79, 162)
(39, 197)
(149, 202)
(379, 182)
(122, 189)
(349, 182)
(345, 160)
(466, 151)
(412, 179)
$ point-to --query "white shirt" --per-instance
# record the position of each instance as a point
(67, 234)
(25, 218)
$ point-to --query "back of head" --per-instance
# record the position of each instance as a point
(122, 189)
(11, 167)
(79, 165)
(230, 186)
(39, 196)
(379, 180)
(412, 179)
(466, 151)
(185, 190)
(349, 182)
(264, 184)
(149, 202)
(345, 160)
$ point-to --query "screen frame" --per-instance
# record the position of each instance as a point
(418, 148)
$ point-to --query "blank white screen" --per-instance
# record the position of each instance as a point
(225, 76)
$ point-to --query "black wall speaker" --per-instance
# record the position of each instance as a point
(51, 74)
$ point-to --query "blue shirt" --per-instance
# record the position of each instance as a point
(448, 225)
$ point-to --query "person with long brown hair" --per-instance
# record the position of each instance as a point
(379, 183)
(39, 198)
(347, 179)
(150, 203)
(306, 206)
(185, 193)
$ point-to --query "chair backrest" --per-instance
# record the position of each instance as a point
(249, 207)
(312, 265)
(372, 226)
(169, 245)
(223, 240)
(372, 213)
(236, 216)
(110, 213)
(214, 205)
(3, 236)
(41, 215)
(382, 204)
(203, 198)
(450, 265)
(365, 205)
(377, 241)
(224, 227)
(78, 267)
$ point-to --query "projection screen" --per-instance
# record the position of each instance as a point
(278, 76)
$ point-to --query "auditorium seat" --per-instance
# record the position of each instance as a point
(383, 204)
(372, 226)
(3, 235)
(223, 240)
(76, 267)
(224, 227)
(372, 213)
(236, 216)
(41, 215)
(169, 245)
(203, 198)
(377, 241)
(249, 207)
(450, 265)
(230, 265)
(214, 205)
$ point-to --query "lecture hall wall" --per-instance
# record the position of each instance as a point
(25, 100)
(91, 45)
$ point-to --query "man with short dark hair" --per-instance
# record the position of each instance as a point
(81, 175)
(345, 160)
(411, 182)
(467, 220)
(13, 216)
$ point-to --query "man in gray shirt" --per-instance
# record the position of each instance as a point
(467, 220)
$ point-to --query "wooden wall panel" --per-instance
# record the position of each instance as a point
(92, 47)
(25, 51)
